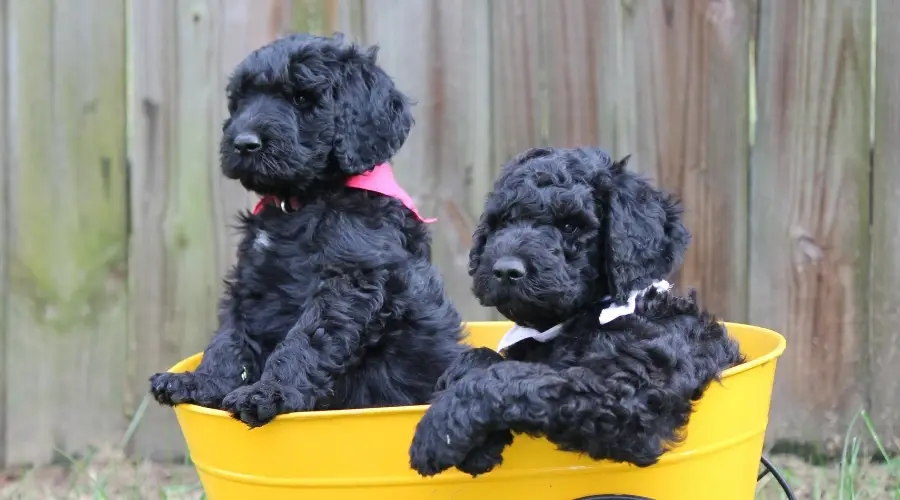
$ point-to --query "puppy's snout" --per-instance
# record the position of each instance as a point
(247, 143)
(509, 269)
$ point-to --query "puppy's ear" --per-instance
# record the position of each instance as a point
(642, 236)
(372, 118)
(479, 238)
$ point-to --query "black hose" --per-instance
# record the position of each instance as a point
(770, 468)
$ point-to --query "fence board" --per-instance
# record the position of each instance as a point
(884, 384)
(518, 87)
(350, 18)
(68, 255)
(582, 68)
(809, 214)
(319, 17)
(460, 91)
(5, 166)
(691, 127)
(183, 208)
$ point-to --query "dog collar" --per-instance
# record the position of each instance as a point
(378, 180)
(519, 333)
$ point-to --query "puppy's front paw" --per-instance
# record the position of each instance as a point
(173, 388)
(486, 457)
(259, 403)
(191, 388)
(435, 446)
(432, 451)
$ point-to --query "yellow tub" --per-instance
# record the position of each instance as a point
(357, 454)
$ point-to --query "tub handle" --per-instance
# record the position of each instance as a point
(614, 497)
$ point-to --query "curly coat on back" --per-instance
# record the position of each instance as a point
(566, 233)
(333, 304)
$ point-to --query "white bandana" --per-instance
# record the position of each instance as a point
(519, 333)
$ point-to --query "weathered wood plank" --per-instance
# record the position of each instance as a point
(183, 210)
(583, 74)
(5, 201)
(68, 254)
(319, 17)
(460, 126)
(350, 18)
(809, 212)
(518, 85)
(883, 380)
(691, 131)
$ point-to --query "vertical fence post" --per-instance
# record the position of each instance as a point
(884, 379)
(67, 217)
(809, 245)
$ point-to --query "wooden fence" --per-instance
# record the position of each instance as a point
(115, 225)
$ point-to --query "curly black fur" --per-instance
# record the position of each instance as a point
(334, 305)
(585, 232)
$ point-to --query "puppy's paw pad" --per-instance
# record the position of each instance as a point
(258, 404)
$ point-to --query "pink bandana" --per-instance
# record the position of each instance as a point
(378, 180)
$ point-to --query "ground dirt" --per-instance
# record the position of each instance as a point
(111, 477)
(106, 476)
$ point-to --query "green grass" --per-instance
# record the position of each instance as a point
(856, 475)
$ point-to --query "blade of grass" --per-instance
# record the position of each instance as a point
(78, 466)
(854, 466)
(135, 422)
(844, 457)
(878, 444)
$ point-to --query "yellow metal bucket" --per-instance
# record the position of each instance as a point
(356, 454)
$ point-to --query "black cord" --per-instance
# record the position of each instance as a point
(769, 467)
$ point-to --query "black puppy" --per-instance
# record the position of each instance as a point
(333, 303)
(604, 360)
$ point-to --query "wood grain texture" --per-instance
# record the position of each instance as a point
(809, 212)
(350, 18)
(884, 384)
(691, 131)
(460, 92)
(319, 17)
(183, 209)
(5, 169)
(582, 68)
(68, 254)
(519, 104)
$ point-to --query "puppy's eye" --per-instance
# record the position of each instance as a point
(299, 99)
(569, 228)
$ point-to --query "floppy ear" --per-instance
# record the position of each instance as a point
(372, 118)
(642, 236)
(479, 238)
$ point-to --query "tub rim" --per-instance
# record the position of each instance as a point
(420, 409)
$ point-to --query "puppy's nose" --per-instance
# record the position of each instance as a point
(509, 269)
(247, 142)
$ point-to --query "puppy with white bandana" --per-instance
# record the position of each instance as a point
(604, 359)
